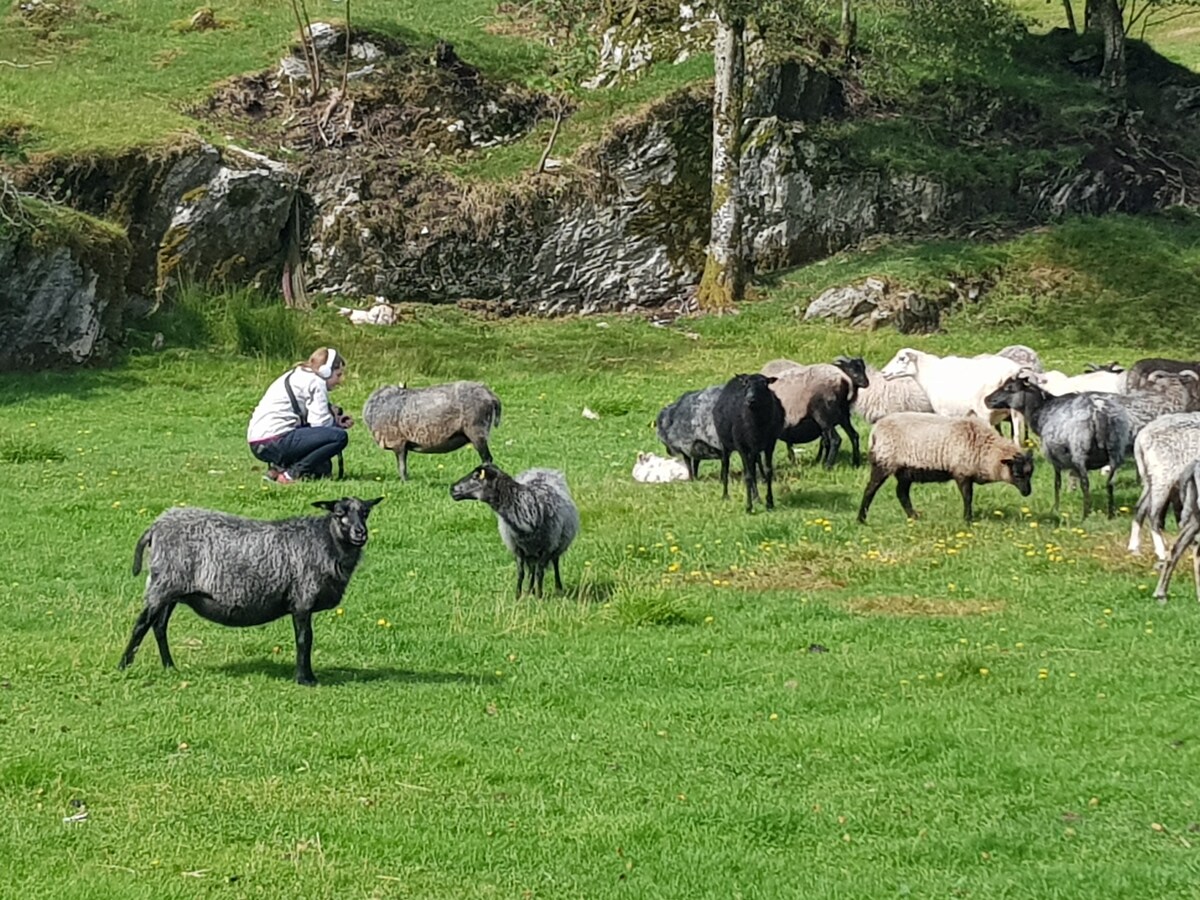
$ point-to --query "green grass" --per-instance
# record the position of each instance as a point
(666, 729)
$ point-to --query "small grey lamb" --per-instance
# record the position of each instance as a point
(435, 419)
(538, 520)
(238, 571)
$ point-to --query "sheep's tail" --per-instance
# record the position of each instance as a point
(142, 544)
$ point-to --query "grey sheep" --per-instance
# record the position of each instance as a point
(1187, 486)
(777, 367)
(1162, 450)
(749, 418)
(817, 400)
(923, 447)
(537, 518)
(435, 419)
(687, 430)
(1079, 432)
(1139, 374)
(1160, 394)
(237, 571)
(1025, 357)
(884, 396)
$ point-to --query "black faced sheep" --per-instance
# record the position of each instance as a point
(923, 447)
(749, 418)
(817, 401)
(537, 518)
(1079, 432)
(436, 419)
(237, 571)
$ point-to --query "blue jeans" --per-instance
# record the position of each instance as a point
(304, 451)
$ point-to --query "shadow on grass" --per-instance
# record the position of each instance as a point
(340, 675)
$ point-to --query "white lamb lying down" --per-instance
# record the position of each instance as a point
(379, 314)
(653, 469)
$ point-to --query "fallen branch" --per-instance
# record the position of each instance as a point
(560, 103)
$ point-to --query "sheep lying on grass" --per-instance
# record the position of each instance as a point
(1188, 488)
(435, 419)
(923, 447)
(538, 519)
(237, 571)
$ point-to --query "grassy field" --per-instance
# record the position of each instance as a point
(772, 705)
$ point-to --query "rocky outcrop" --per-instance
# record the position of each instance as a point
(62, 295)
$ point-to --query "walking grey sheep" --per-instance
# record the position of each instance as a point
(537, 518)
(1079, 432)
(884, 396)
(1187, 486)
(237, 571)
(435, 419)
(749, 418)
(687, 430)
(817, 401)
(923, 447)
(1162, 450)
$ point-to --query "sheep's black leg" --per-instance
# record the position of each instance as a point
(769, 476)
(1057, 488)
(878, 477)
(791, 453)
(402, 462)
(481, 447)
(835, 444)
(160, 635)
(903, 490)
(140, 627)
(302, 623)
(855, 452)
(1186, 536)
(1112, 474)
(749, 467)
(520, 576)
(725, 474)
(966, 487)
(1085, 487)
(693, 465)
(558, 586)
(539, 572)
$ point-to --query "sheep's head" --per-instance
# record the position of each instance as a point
(479, 485)
(855, 368)
(1014, 393)
(349, 518)
(903, 363)
(1020, 471)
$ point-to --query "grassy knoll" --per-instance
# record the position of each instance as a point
(999, 710)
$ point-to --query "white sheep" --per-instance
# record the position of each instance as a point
(884, 396)
(1107, 380)
(1187, 486)
(956, 385)
(1162, 450)
(922, 447)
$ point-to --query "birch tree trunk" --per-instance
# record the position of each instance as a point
(724, 279)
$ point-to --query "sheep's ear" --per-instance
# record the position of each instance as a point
(771, 379)
(371, 503)
(325, 504)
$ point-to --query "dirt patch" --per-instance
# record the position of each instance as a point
(923, 607)
(1111, 553)
(795, 577)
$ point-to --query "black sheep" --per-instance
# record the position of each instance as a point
(748, 417)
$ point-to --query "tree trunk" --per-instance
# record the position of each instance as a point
(724, 279)
(1070, 15)
(850, 28)
(1112, 26)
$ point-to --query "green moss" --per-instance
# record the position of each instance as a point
(195, 195)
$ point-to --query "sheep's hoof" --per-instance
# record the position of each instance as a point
(307, 682)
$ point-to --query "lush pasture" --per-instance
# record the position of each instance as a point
(772, 705)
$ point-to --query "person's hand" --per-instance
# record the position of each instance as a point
(345, 421)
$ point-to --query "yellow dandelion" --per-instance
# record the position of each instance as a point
(773, 717)
(985, 672)
(339, 612)
(708, 620)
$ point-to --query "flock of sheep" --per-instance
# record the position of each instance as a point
(933, 419)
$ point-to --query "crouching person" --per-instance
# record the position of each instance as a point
(294, 428)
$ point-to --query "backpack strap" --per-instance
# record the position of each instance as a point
(299, 410)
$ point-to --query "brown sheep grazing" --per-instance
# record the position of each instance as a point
(924, 447)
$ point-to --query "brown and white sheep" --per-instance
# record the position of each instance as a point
(924, 447)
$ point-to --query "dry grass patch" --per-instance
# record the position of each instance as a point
(923, 607)
(793, 576)
(1111, 553)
